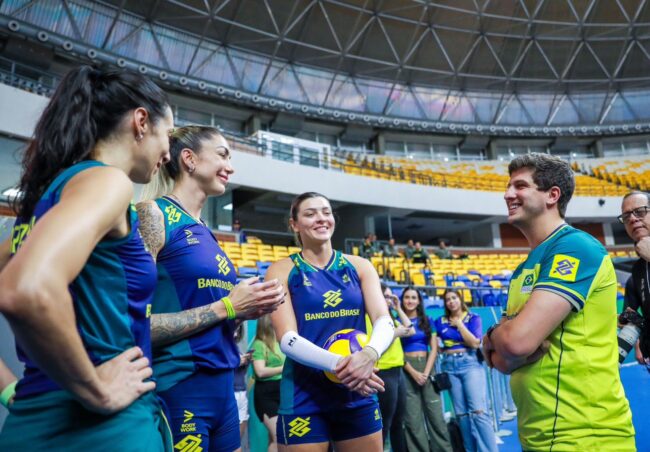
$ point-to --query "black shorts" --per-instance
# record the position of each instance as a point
(267, 398)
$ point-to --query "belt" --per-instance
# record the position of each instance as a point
(457, 355)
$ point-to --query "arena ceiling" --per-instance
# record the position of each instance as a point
(512, 45)
(501, 63)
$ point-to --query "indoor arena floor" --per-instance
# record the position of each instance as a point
(636, 381)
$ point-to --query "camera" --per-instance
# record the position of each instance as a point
(633, 325)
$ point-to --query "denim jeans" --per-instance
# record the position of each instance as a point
(469, 396)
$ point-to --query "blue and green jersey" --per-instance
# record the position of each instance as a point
(324, 301)
(193, 271)
(111, 296)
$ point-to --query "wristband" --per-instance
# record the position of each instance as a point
(230, 310)
(7, 393)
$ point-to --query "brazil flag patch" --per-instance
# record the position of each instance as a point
(564, 267)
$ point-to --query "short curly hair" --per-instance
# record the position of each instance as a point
(548, 171)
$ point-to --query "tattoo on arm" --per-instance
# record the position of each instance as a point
(167, 328)
(152, 227)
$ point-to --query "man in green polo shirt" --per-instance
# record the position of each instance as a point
(558, 339)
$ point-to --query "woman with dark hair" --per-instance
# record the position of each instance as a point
(328, 292)
(78, 287)
(198, 301)
(425, 427)
(460, 332)
(268, 361)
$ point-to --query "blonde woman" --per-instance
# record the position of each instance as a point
(198, 301)
(268, 362)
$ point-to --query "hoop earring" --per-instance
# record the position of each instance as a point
(139, 137)
(190, 169)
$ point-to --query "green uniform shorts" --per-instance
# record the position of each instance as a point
(54, 421)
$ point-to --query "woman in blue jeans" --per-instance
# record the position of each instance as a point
(460, 332)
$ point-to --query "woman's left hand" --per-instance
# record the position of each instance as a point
(356, 369)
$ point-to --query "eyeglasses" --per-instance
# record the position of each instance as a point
(639, 213)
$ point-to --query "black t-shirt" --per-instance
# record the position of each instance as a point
(637, 291)
(637, 295)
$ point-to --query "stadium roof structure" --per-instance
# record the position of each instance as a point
(532, 67)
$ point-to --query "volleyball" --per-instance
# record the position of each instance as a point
(344, 343)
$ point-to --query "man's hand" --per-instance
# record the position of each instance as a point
(642, 248)
(488, 349)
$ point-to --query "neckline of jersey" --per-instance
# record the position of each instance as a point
(180, 206)
(552, 234)
(327, 266)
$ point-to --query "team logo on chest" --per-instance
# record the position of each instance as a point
(224, 269)
(346, 278)
(527, 284)
(332, 298)
(305, 281)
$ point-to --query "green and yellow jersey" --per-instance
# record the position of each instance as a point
(572, 399)
(394, 355)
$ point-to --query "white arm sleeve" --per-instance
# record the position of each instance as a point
(383, 333)
(307, 353)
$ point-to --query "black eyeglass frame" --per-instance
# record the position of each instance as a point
(639, 213)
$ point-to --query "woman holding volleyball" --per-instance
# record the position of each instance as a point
(327, 292)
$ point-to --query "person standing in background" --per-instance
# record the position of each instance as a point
(460, 332)
(392, 402)
(425, 426)
(268, 362)
(241, 387)
(634, 216)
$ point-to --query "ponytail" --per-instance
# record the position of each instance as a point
(87, 106)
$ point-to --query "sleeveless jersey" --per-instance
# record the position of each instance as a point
(112, 294)
(324, 302)
(193, 271)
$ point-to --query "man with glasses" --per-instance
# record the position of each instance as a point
(636, 220)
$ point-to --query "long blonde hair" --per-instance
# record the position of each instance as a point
(266, 333)
(187, 137)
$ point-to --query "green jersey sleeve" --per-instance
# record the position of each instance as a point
(570, 267)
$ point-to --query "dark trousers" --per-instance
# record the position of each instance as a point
(392, 403)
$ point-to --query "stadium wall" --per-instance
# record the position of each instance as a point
(20, 110)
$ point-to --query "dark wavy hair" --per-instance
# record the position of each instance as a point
(87, 106)
(548, 171)
(423, 320)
